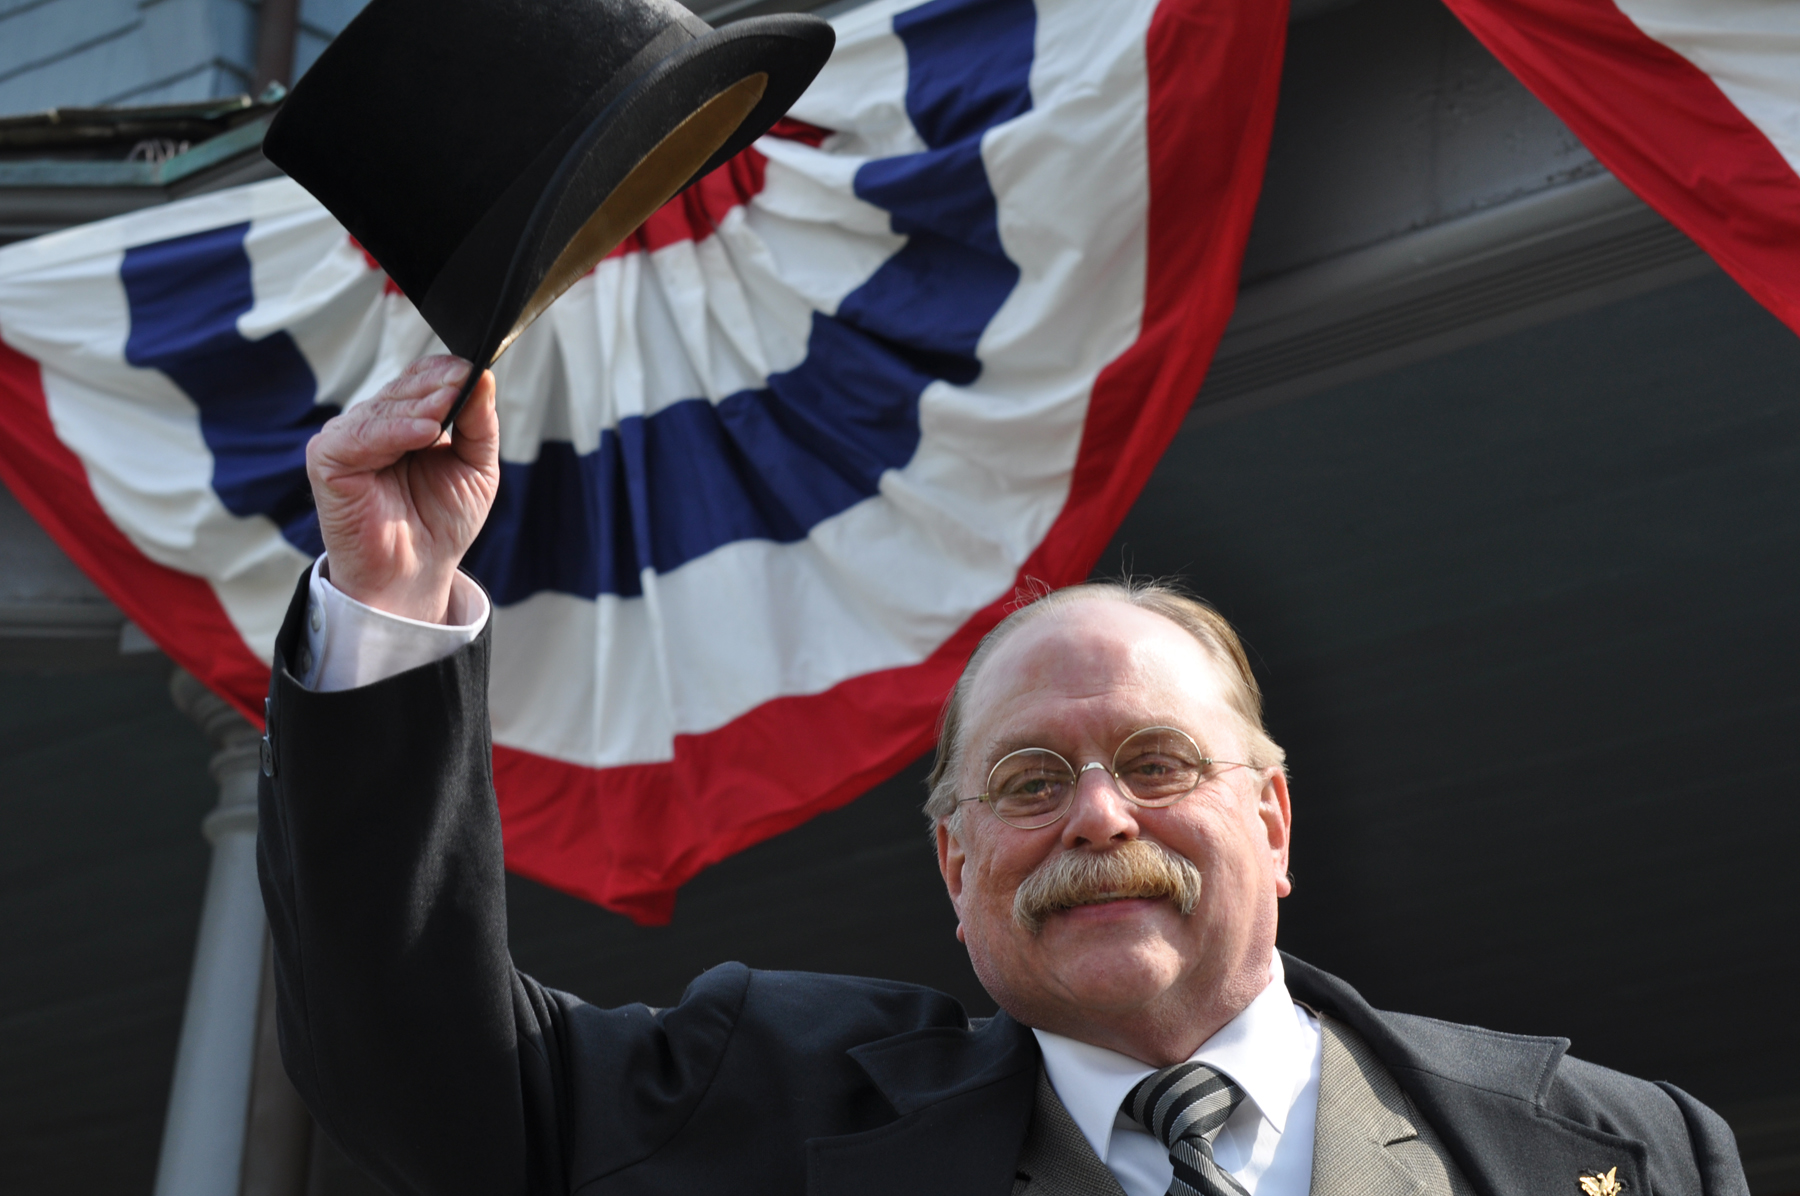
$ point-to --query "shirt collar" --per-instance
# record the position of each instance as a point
(1260, 1049)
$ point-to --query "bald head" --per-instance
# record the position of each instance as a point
(1145, 609)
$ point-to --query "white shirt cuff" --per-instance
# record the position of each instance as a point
(349, 643)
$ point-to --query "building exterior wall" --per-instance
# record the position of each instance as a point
(320, 21)
(81, 52)
(1392, 119)
(73, 53)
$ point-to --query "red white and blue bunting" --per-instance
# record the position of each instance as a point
(1693, 104)
(768, 472)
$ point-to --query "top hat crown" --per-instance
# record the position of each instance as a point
(487, 153)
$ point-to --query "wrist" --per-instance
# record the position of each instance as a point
(423, 598)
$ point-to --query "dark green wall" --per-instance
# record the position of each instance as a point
(102, 788)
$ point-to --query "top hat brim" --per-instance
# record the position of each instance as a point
(700, 104)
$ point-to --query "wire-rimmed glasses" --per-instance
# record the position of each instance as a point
(1155, 767)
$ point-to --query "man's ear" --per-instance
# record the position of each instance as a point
(951, 858)
(1277, 813)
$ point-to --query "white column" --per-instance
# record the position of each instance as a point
(203, 1137)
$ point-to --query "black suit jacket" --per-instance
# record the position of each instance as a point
(441, 1069)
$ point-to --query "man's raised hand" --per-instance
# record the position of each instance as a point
(399, 501)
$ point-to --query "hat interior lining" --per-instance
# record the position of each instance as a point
(658, 175)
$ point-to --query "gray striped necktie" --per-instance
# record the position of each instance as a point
(1184, 1107)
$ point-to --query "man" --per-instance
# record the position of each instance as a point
(1112, 825)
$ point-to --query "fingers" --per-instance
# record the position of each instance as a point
(405, 415)
(424, 390)
(367, 439)
(425, 376)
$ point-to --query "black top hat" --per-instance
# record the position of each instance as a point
(488, 152)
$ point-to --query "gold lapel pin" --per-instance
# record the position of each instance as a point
(1602, 1185)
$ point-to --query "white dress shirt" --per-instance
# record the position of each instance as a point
(1271, 1050)
(349, 643)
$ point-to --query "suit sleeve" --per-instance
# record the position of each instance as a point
(403, 1023)
(430, 1060)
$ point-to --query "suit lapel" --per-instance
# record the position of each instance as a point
(1057, 1159)
(964, 1099)
(1368, 1140)
(1483, 1093)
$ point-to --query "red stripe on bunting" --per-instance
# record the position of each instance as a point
(627, 837)
(177, 610)
(694, 215)
(790, 129)
(1663, 127)
(389, 286)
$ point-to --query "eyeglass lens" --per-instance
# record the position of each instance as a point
(1157, 766)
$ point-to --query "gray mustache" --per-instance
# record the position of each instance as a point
(1133, 869)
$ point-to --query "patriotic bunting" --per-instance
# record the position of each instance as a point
(768, 472)
(1693, 104)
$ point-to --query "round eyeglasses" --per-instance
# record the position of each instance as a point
(1154, 767)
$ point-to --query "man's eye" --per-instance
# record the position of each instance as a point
(1031, 785)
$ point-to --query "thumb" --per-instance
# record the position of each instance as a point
(475, 433)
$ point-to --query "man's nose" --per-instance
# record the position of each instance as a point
(1099, 812)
